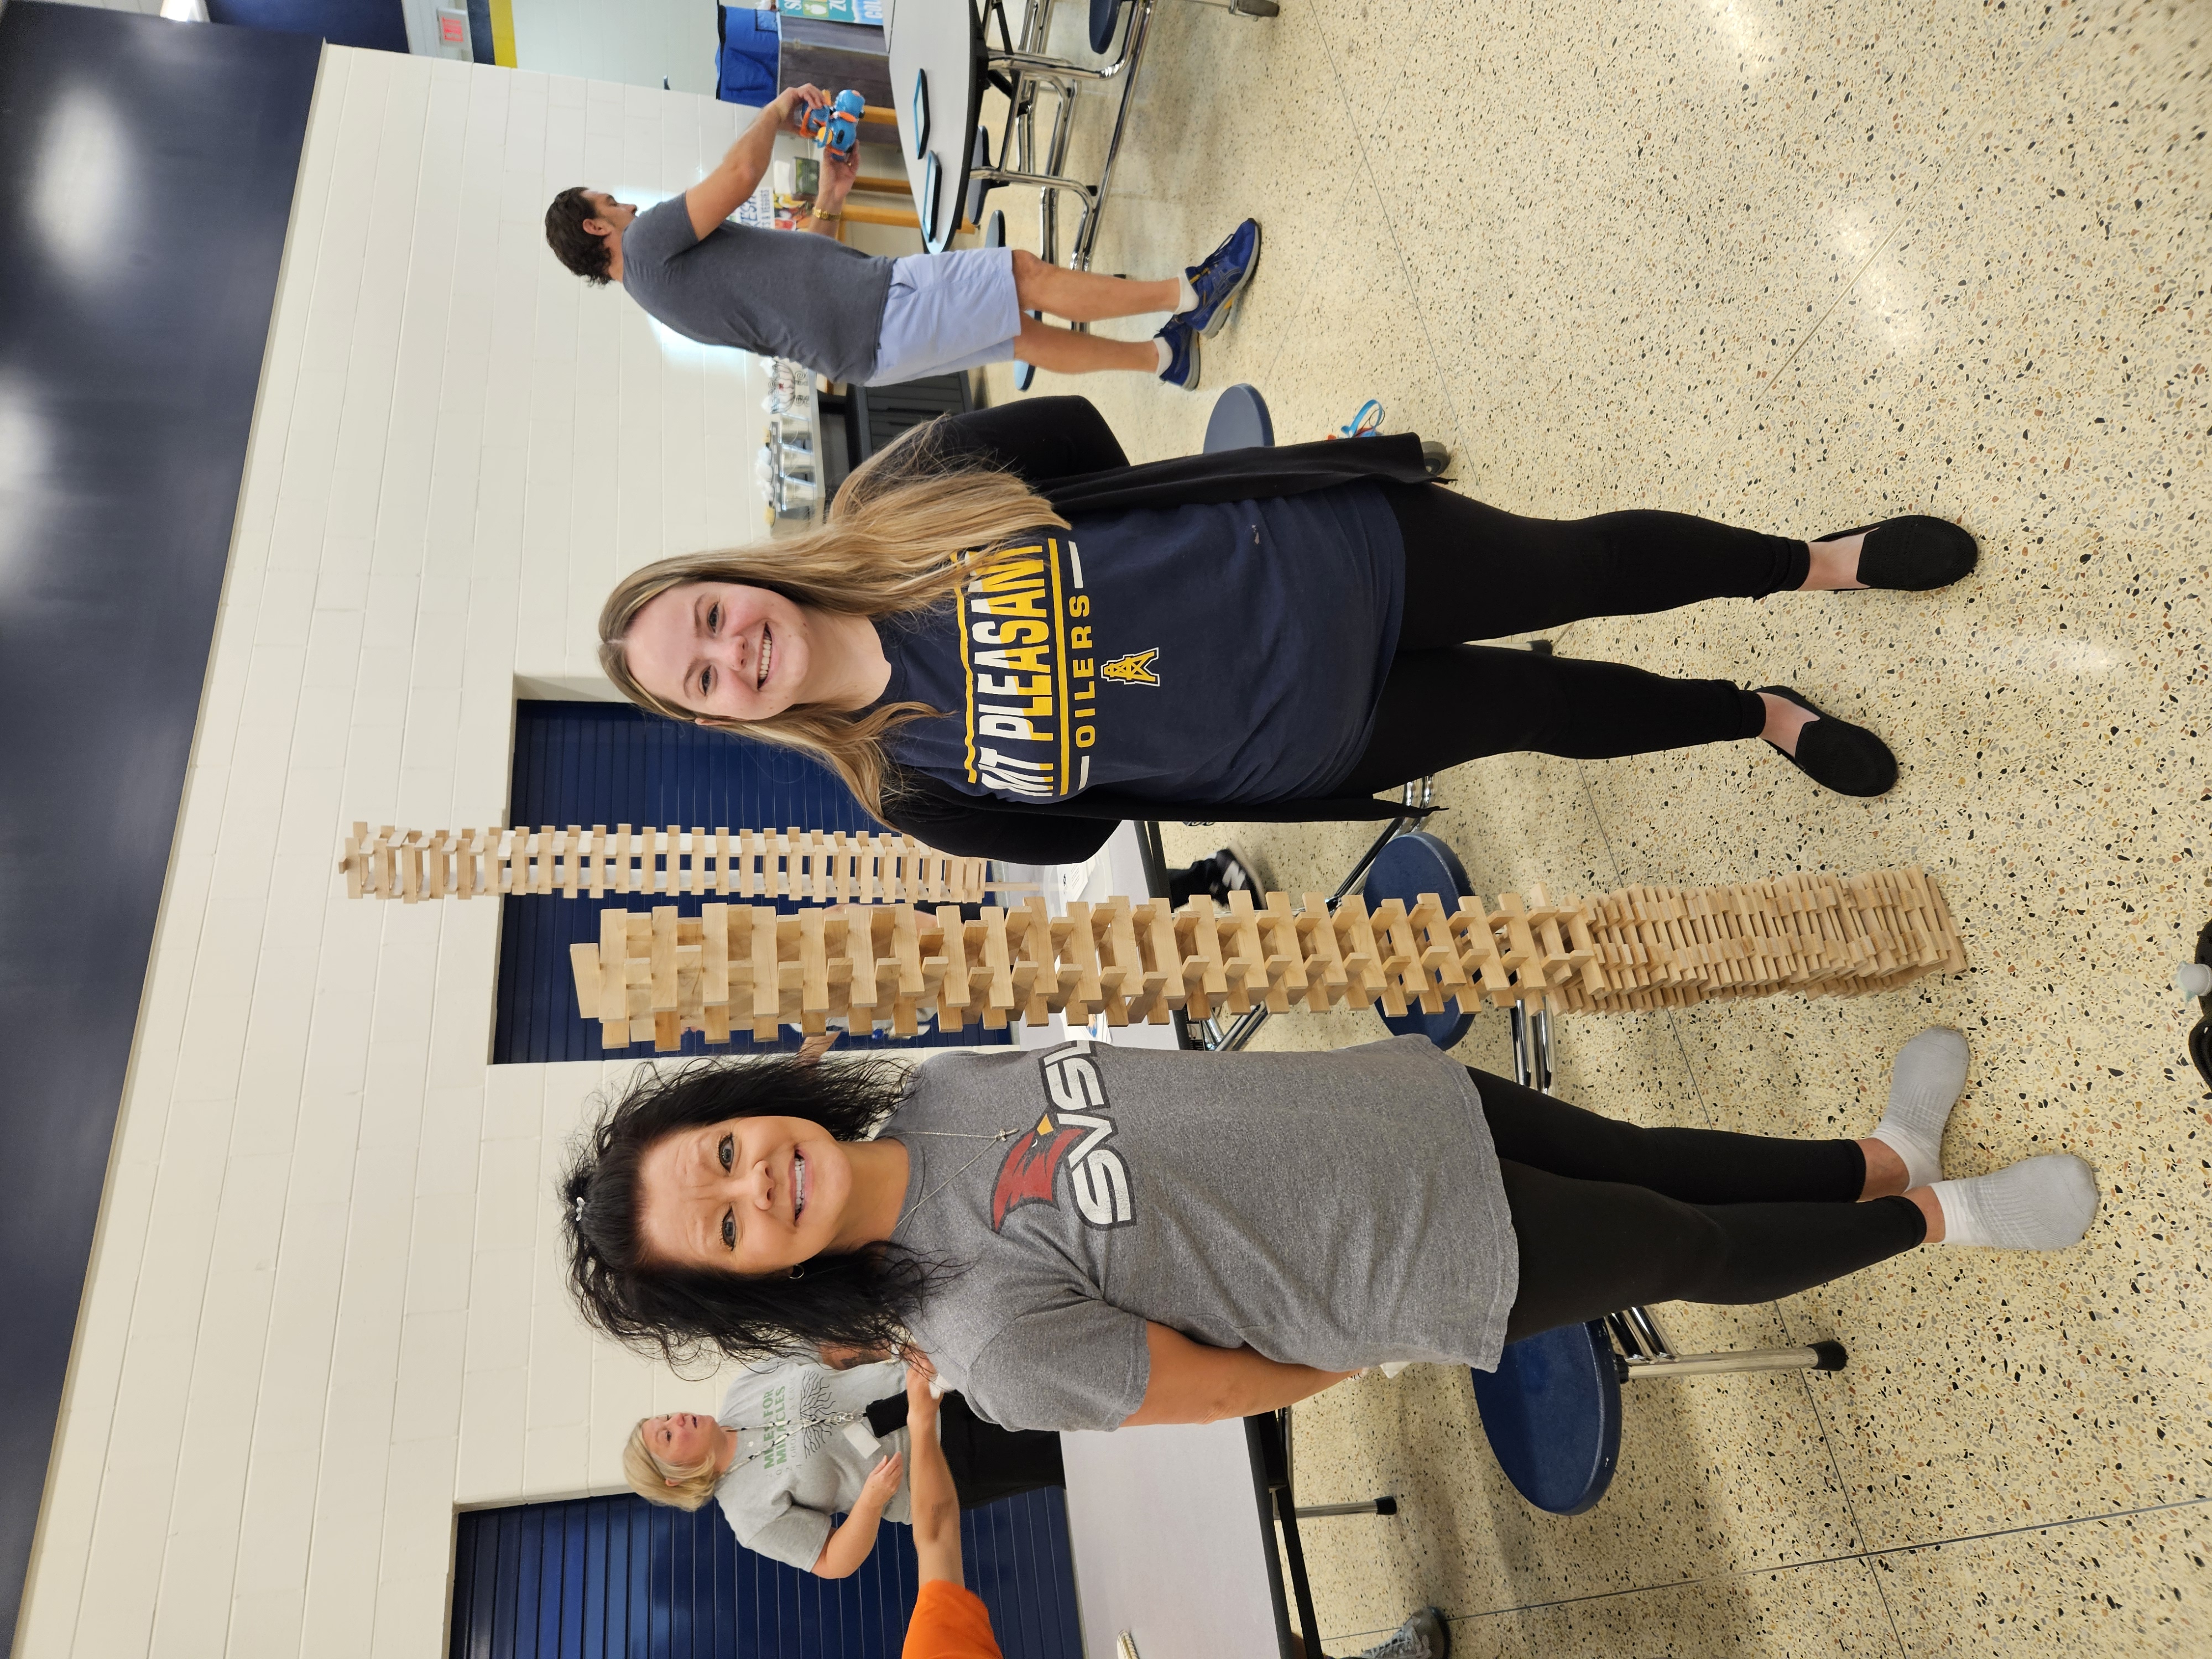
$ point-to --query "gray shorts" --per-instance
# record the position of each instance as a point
(947, 312)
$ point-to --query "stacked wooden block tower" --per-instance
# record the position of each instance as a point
(825, 867)
(739, 967)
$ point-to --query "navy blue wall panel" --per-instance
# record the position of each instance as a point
(609, 763)
(620, 1578)
(149, 169)
(380, 25)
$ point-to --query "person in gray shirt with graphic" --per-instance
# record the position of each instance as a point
(1088, 1236)
(856, 317)
(798, 1443)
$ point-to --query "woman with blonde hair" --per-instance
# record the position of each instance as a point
(799, 1442)
(1006, 639)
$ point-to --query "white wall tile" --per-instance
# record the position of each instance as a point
(439, 1251)
(326, 1301)
(500, 1299)
(411, 1609)
(427, 1405)
(267, 1622)
(339, 1617)
(418, 1508)
(492, 1433)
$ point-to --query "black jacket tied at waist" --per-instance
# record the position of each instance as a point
(1062, 448)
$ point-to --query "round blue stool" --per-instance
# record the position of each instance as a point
(1408, 866)
(1240, 421)
(1552, 1413)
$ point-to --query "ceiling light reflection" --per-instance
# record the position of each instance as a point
(80, 185)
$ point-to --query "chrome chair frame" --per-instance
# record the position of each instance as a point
(1021, 68)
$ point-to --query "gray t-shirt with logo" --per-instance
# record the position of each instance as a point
(1340, 1209)
(775, 293)
(781, 1502)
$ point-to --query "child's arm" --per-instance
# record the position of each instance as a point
(717, 196)
(1192, 1382)
(848, 1544)
(936, 1505)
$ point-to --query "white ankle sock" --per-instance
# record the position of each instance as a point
(1166, 356)
(1189, 298)
(2037, 1204)
(1924, 1083)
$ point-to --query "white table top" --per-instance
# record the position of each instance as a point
(1165, 1526)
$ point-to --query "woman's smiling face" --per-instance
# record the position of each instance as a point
(721, 649)
(748, 1195)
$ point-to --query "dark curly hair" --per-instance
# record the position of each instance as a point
(572, 245)
(863, 1299)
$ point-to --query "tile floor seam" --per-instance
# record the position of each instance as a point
(1758, 400)
(1889, 1617)
(1820, 1417)
(1934, 179)
(1843, 1486)
(1827, 1445)
(1390, 223)
(1298, 304)
(1868, 1556)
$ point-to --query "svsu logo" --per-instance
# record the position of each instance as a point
(1073, 1135)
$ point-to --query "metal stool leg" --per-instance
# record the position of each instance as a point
(1208, 1033)
(1646, 1352)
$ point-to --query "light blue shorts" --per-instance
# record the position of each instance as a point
(947, 312)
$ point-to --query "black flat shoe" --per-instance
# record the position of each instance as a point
(1836, 755)
(1912, 554)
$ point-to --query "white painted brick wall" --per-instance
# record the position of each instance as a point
(325, 1305)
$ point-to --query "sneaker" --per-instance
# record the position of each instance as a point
(1183, 354)
(1424, 1636)
(1219, 277)
(1232, 869)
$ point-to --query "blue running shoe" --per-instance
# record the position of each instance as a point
(1219, 277)
(1183, 354)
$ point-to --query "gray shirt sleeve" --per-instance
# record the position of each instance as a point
(1081, 1365)
(794, 1537)
(660, 234)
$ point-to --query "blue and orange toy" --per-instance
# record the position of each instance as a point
(837, 129)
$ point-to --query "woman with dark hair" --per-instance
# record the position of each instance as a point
(1089, 1236)
(1006, 639)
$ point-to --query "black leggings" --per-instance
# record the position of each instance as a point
(1609, 1215)
(1473, 572)
(988, 1462)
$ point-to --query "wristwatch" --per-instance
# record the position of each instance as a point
(815, 212)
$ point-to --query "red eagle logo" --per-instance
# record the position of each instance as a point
(1031, 1169)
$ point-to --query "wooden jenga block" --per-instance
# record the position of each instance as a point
(741, 966)
(1286, 957)
(1244, 958)
(614, 979)
(1396, 942)
(954, 986)
(815, 867)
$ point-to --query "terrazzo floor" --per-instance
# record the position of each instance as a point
(1799, 267)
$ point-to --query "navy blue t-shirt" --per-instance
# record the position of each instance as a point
(1230, 654)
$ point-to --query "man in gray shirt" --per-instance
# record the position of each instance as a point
(855, 316)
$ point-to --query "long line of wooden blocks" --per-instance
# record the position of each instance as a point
(738, 967)
(821, 866)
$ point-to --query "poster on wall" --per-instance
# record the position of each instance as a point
(834, 11)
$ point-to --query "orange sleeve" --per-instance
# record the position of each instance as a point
(949, 1622)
